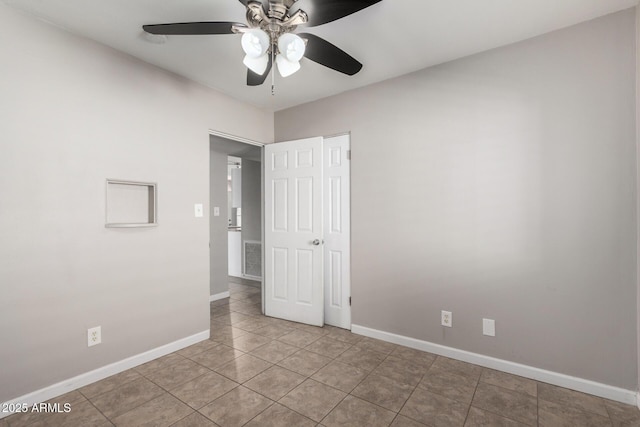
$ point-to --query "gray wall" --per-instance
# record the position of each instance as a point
(638, 165)
(218, 225)
(251, 200)
(502, 185)
(73, 113)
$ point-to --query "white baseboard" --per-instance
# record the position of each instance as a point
(586, 386)
(638, 397)
(221, 295)
(90, 377)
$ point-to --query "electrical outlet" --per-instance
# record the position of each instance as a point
(489, 327)
(447, 319)
(94, 336)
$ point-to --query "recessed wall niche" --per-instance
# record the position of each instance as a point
(131, 204)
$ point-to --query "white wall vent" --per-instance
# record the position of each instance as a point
(252, 267)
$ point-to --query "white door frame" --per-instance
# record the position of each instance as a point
(236, 138)
(213, 132)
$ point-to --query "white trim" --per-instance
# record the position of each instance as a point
(638, 187)
(347, 133)
(638, 399)
(221, 295)
(586, 386)
(235, 138)
(90, 377)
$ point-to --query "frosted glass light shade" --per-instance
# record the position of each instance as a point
(255, 42)
(291, 46)
(257, 65)
(286, 68)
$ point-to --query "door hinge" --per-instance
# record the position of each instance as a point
(349, 301)
(348, 154)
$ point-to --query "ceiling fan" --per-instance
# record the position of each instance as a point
(269, 36)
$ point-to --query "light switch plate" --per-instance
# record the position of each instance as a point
(199, 210)
(216, 211)
(489, 327)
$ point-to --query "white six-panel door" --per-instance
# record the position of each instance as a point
(337, 274)
(293, 276)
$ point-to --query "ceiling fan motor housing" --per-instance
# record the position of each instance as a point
(277, 10)
(276, 20)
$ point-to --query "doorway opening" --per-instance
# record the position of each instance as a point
(235, 175)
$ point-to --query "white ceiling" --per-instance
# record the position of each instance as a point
(391, 38)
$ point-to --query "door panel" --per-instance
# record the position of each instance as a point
(293, 214)
(337, 236)
(335, 204)
(304, 205)
(280, 275)
(335, 279)
(304, 276)
(279, 212)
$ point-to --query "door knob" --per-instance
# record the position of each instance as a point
(316, 242)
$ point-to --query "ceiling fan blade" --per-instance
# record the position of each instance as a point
(323, 11)
(324, 53)
(192, 28)
(254, 79)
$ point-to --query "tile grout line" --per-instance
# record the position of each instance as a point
(472, 397)
(360, 382)
(102, 413)
(136, 407)
(506, 389)
(259, 413)
(411, 394)
(334, 407)
(219, 397)
(537, 404)
(409, 398)
(608, 412)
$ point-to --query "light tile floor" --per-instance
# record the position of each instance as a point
(264, 372)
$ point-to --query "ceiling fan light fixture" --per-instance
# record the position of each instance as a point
(291, 46)
(257, 65)
(268, 32)
(255, 42)
(286, 67)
